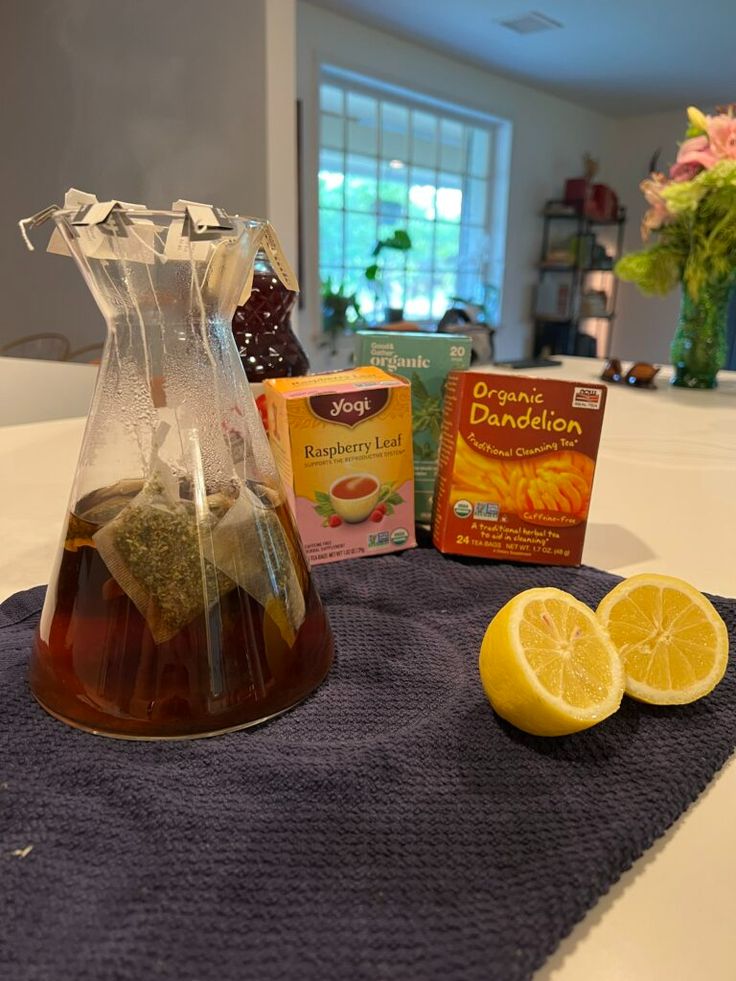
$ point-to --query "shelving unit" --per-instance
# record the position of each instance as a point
(567, 319)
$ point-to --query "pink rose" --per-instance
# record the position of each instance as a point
(694, 155)
(722, 134)
(684, 171)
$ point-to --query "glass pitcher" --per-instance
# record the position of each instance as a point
(181, 603)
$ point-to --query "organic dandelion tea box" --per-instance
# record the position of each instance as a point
(426, 360)
(517, 460)
(343, 445)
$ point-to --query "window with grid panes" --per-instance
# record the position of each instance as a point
(394, 160)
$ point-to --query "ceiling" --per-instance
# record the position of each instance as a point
(620, 57)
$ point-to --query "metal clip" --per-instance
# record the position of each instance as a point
(203, 217)
(25, 224)
(100, 211)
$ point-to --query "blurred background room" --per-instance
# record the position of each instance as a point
(419, 159)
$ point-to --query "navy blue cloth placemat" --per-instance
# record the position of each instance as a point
(390, 827)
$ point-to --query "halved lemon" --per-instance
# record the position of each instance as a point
(673, 643)
(548, 666)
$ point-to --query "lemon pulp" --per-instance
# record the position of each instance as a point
(672, 641)
(547, 665)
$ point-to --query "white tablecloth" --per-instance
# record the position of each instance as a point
(663, 499)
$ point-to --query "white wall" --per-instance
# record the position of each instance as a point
(549, 139)
(644, 325)
(150, 101)
(143, 101)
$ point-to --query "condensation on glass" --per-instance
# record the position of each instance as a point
(180, 603)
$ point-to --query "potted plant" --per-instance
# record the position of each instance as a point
(400, 241)
(340, 309)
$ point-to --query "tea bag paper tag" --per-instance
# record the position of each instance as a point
(192, 237)
(136, 244)
(100, 211)
(57, 245)
(272, 247)
(269, 242)
(101, 242)
(74, 198)
(179, 245)
(247, 289)
(105, 242)
(204, 217)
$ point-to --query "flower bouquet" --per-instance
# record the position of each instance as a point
(691, 227)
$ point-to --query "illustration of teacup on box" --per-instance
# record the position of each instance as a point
(354, 496)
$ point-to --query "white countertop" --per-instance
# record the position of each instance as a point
(32, 390)
(663, 500)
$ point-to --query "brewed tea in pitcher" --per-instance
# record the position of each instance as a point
(181, 603)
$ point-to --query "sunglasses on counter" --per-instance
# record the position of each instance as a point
(641, 374)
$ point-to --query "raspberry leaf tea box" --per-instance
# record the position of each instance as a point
(425, 359)
(343, 445)
(517, 460)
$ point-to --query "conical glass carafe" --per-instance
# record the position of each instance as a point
(181, 603)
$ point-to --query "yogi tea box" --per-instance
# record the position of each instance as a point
(517, 459)
(342, 442)
(425, 359)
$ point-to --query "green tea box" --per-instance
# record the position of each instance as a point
(425, 359)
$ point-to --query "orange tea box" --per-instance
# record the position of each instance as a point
(343, 445)
(517, 458)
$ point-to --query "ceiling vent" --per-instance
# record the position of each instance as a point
(531, 23)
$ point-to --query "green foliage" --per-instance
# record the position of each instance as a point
(697, 246)
(424, 451)
(655, 271)
(340, 309)
(332, 290)
(323, 507)
(398, 240)
(683, 198)
(426, 408)
(712, 256)
(389, 497)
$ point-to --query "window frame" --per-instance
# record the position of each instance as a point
(487, 273)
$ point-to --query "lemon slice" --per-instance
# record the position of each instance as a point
(548, 666)
(672, 641)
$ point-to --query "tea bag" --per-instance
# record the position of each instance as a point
(251, 548)
(153, 551)
(101, 506)
(173, 565)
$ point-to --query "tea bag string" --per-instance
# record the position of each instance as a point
(157, 467)
(216, 375)
(203, 525)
